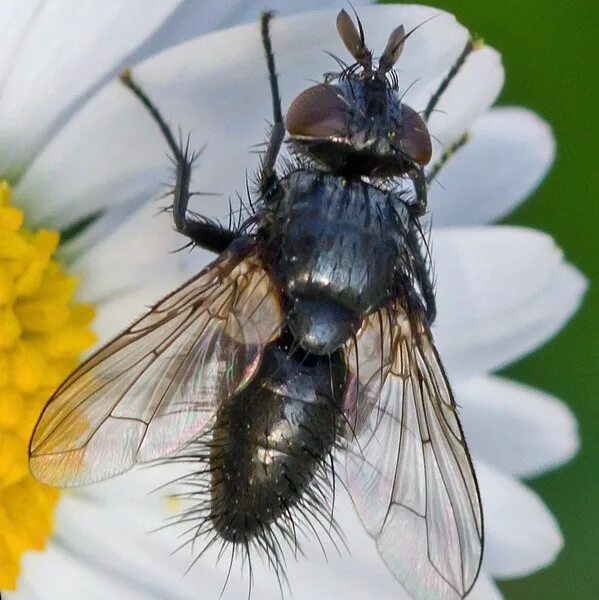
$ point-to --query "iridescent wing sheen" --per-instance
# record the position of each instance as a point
(156, 386)
(408, 468)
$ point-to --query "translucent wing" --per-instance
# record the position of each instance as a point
(154, 387)
(408, 468)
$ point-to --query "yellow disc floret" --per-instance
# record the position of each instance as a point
(42, 334)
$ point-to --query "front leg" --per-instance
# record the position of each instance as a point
(267, 172)
(471, 45)
(419, 178)
(202, 231)
(418, 207)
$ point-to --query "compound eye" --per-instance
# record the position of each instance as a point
(317, 112)
(414, 138)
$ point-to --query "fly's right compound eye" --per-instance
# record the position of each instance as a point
(318, 112)
(414, 138)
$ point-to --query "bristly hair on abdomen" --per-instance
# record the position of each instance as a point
(312, 517)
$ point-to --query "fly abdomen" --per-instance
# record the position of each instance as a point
(270, 440)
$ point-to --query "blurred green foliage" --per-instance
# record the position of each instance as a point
(550, 52)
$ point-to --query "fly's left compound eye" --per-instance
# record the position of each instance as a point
(317, 112)
(414, 138)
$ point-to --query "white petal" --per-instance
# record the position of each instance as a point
(521, 535)
(509, 152)
(136, 252)
(501, 292)
(190, 20)
(15, 18)
(107, 530)
(91, 521)
(115, 152)
(91, 526)
(515, 428)
(57, 574)
(132, 267)
(103, 548)
(117, 313)
(62, 52)
(356, 576)
(140, 559)
(484, 589)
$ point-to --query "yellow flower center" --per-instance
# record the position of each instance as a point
(42, 334)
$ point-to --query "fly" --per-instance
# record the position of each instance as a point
(309, 335)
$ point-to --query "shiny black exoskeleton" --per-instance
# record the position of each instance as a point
(338, 244)
(268, 440)
(339, 236)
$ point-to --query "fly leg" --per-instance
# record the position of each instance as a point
(422, 260)
(419, 178)
(471, 45)
(200, 230)
(449, 152)
(419, 181)
(267, 176)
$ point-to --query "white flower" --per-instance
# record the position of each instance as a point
(53, 59)
(502, 291)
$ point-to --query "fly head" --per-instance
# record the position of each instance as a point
(355, 123)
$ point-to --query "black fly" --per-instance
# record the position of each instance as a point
(308, 335)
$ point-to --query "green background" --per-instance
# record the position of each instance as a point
(550, 52)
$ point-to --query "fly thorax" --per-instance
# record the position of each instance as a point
(338, 248)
